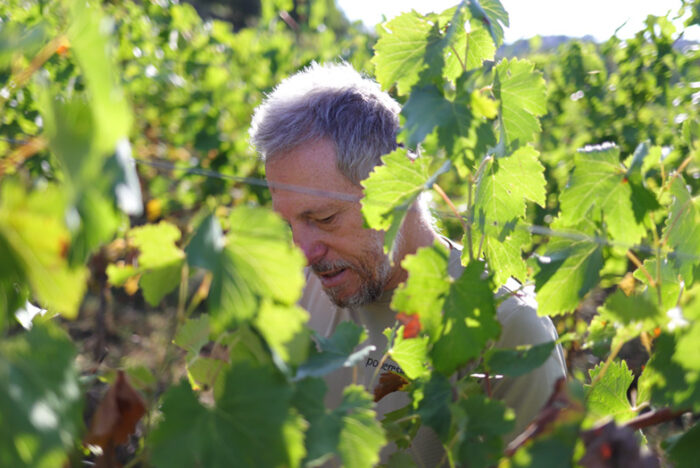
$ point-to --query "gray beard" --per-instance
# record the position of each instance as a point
(373, 280)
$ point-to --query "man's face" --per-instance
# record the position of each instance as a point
(347, 258)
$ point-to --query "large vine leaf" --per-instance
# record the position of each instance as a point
(522, 93)
(502, 190)
(599, 189)
(504, 187)
(469, 321)
(284, 330)
(425, 290)
(683, 451)
(255, 260)
(411, 354)
(391, 189)
(350, 431)
(631, 315)
(427, 108)
(669, 379)
(515, 362)
(568, 270)
(504, 254)
(34, 243)
(474, 45)
(682, 229)
(361, 435)
(250, 423)
(400, 52)
(40, 398)
(159, 261)
(493, 15)
(608, 396)
(434, 408)
(484, 423)
(336, 352)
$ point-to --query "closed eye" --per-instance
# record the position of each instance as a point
(326, 220)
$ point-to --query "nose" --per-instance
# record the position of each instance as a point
(310, 242)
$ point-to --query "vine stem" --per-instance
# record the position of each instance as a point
(21, 78)
(653, 418)
(182, 296)
(379, 367)
(464, 67)
(643, 269)
(677, 172)
(452, 206)
(469, 219)
(19, 155)
(613, 355)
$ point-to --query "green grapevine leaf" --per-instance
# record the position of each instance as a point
(482, 425)
(391, 189)
(687, 353)
(568, 270)
(205, 247)
(669, 282)
(35, 242)
(401, 426)
(608, 396)
(361, 435)
(283, 327)
(503, 188)
(88, 36)
(411, 354)
(599, 189)
(349, 431)
(683, 451)
(336, 351)
(631, 315)
(248, 424)
(493, 15)
(427, 285)
(434, 408)
(670, 381)
(682, 229)
(477, 45)
(193, 334)
(469, 321)
(401, 460)
(522, 93)
(625, 309)
(400, 52)
(504, 256)
(205, 372)
(159, 261)
(40, 398)
(256, 260)
(324, 428)
(517, 361)
(427, 108)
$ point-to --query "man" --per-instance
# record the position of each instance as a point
(321, 132)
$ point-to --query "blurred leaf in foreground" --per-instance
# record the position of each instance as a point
(40, 398)
(249, 424)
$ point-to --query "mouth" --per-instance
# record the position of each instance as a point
(332, 278)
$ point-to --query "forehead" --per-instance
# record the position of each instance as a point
(307, 178)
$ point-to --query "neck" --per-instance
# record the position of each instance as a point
(415, 232)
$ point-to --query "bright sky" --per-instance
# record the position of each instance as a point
(575, 18)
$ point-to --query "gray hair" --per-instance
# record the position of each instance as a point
(329, 101)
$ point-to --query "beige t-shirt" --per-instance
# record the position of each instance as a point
(520, 325)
